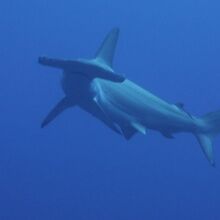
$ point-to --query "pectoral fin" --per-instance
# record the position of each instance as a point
(58, 109)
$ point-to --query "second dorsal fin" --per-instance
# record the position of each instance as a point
(180, 105)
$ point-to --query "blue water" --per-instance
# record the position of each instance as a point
(77, 168)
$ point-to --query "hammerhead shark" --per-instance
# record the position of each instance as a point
(122, 105)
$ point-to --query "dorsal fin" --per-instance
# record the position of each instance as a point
(107, 49)
(180, 105)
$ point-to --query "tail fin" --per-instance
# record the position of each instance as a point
(212, 123)
(107, 50)
(205, 142)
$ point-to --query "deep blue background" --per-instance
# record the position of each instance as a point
(76, 168)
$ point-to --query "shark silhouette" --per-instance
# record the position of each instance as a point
(122, 105)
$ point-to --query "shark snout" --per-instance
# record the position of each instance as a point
(46, 61)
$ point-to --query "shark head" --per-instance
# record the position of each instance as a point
(98, 67)
(79, 74)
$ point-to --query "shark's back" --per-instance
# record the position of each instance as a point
(129, 92)
(142, 106)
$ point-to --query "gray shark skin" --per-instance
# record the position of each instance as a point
(122, 105)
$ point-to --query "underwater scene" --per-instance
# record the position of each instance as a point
(110, 110)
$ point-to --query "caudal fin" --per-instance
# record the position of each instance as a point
(206, 143)
(205, 138)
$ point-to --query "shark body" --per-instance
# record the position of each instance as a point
(122, 105)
